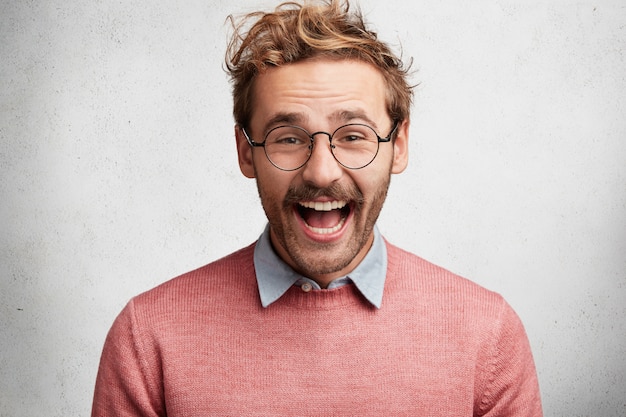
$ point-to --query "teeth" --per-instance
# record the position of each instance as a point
(321, 231)
(324, 206)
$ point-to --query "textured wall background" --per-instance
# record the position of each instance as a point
(118, 172)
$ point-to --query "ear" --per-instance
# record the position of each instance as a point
(244, 152)
(401, 148)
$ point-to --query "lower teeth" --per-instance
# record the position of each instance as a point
(326, 231)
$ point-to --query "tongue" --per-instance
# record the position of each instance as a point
(321, 219)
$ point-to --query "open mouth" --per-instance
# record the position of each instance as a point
(324, 217)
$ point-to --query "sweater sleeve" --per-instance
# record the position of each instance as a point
(508, 386)
(129, 377)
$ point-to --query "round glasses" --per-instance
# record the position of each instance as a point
(354, 145)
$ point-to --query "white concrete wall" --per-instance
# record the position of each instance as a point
(118, 172)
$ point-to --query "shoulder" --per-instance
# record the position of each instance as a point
(416, 277)
(447, 302)
(163, 315)
(230, 276)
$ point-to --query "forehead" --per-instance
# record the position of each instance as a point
(318, 91)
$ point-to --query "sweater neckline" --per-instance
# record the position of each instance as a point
(333, 299)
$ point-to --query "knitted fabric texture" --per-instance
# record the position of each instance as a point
(202, 345)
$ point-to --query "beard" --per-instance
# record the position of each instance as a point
(313, 259)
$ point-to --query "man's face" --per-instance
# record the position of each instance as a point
(321, 95)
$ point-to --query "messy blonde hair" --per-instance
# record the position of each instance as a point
(296, 32)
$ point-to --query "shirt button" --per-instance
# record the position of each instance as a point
(306, 287)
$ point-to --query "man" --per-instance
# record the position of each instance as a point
(321, 316)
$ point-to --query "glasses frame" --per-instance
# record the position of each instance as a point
(311, 136)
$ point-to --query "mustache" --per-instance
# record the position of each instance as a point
(306, 192)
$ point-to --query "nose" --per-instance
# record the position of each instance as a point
(322, 169)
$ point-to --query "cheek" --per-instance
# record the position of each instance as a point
(367, 187)
(372, 181)
(272, 184)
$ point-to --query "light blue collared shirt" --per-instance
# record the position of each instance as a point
(275, 277)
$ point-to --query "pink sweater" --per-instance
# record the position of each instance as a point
(202, 345)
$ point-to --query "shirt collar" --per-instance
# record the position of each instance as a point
(275, 277)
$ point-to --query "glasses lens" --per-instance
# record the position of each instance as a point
(288, 147)
(355, 146)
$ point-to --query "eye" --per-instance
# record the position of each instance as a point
(352, 137)
(352, 134)
(287, 136)
(287, 140)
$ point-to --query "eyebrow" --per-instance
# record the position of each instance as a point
(347, 116)
(284, 118)
(340, 116)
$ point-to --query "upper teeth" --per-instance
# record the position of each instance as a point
(323, 206)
